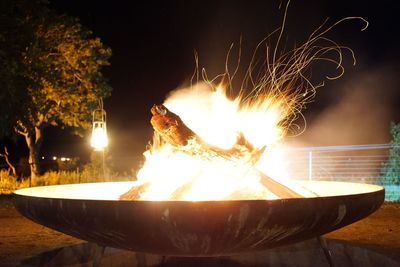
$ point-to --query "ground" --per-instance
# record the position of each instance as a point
(382, 229)
(20, 238)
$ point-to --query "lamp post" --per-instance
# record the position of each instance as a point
(99, 139)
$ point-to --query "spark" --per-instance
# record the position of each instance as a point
(261, 112)
(284, 77)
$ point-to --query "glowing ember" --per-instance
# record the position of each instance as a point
(208, 146)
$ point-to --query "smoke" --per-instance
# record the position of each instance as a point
(361, 114)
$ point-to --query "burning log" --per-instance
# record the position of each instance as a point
(180, 191)
(173, 130)
(171, 127)
(134, 192)
(276, 188)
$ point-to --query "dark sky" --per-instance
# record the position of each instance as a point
(153, 44)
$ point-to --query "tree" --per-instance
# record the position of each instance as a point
(391, 168)
(55, 76)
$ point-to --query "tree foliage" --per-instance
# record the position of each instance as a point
(391, 168)
(64, 67)
(50, 71)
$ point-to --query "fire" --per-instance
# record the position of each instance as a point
(208, 146)
(173, 174)
(218, 120)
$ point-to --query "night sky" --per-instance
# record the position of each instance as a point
(153, 44)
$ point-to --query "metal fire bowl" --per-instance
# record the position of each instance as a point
(195, 228)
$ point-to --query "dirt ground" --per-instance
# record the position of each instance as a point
(20, 238)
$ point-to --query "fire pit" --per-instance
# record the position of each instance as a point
(214, 180)
(195, 228)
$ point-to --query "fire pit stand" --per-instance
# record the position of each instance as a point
(326, 250)
(142, 262)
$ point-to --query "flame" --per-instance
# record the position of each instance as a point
(270, 99)
(174, 174)
(218, 120)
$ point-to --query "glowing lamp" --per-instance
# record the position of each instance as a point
(99, 139)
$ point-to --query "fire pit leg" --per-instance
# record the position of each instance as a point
(98, 254)
(326, 250)
(141, 259)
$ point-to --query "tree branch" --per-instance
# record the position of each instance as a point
(21, 129)
(43, 114)
(10, 165)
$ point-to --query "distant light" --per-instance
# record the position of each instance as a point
(54, 158)
(99, 139)
(63, 159)
(42, 157)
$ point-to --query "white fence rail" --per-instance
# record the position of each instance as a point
(358, 163)
(354, 163)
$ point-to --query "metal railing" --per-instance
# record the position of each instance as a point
(355, 163)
